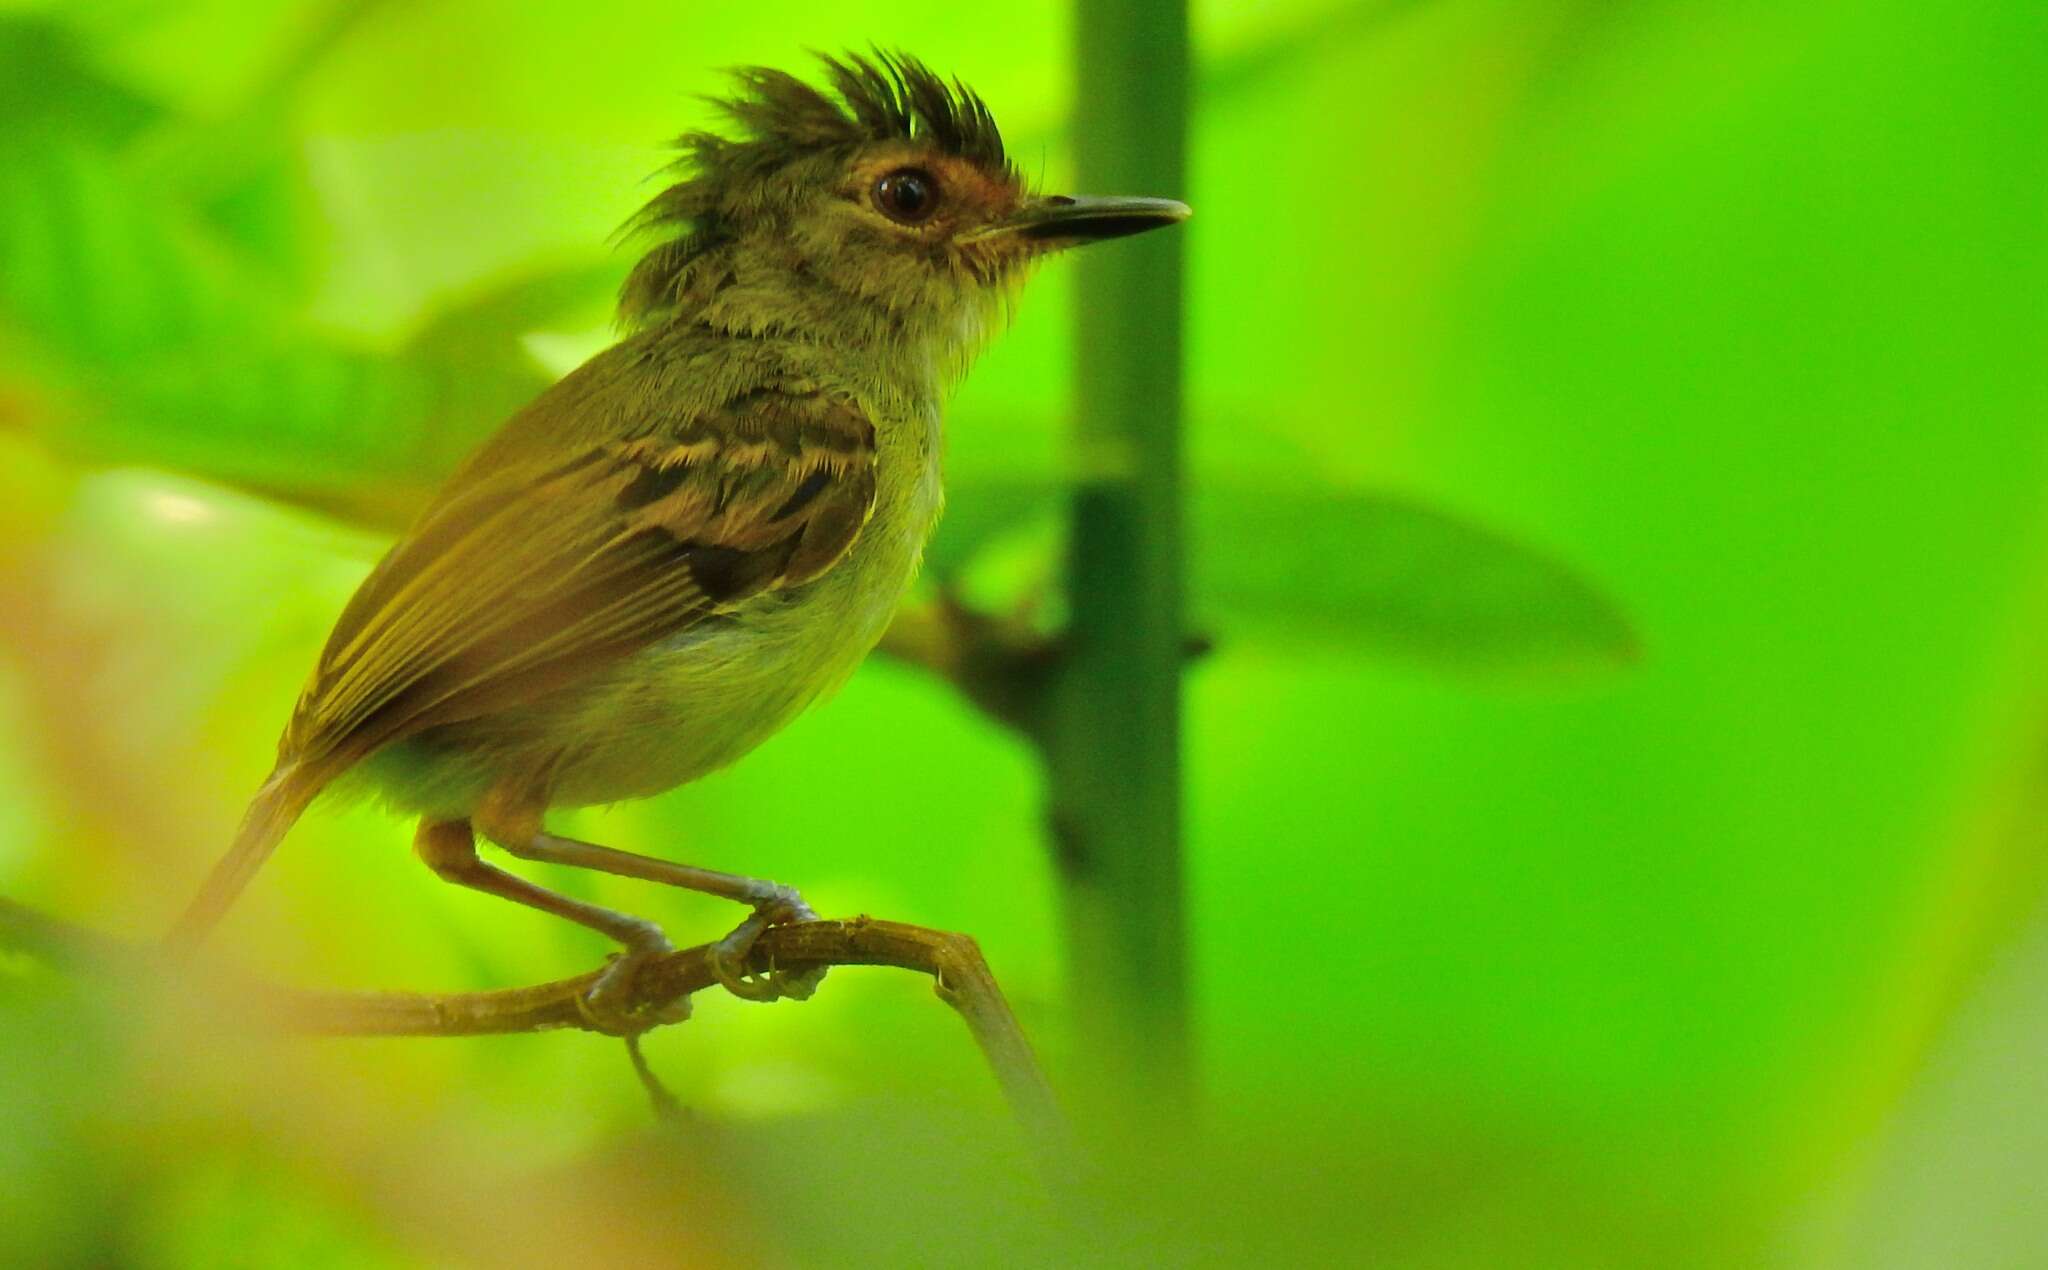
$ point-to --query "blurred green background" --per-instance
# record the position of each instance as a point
(1508, 323)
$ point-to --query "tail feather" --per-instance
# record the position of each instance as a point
(272, 812)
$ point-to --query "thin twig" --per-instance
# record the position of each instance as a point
(960, 976)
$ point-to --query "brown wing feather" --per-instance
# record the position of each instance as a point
(528, 576)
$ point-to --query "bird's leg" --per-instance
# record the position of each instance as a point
(449, 849)
(773, 903)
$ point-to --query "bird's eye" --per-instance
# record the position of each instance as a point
(907, 195)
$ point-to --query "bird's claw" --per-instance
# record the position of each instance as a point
(728, 957)
(607, 1005)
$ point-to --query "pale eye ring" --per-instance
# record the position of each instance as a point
(907, 196)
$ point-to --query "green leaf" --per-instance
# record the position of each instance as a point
(153, 315)
(49, 88)
(1342, 572)
(504, 309)
(165, 350)
(1383, 573)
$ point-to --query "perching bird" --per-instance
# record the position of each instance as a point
(670, 553)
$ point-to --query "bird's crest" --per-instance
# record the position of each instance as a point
(787, 131)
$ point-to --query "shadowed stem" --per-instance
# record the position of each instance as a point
(1112, 740)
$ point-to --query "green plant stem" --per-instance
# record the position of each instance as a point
(1113, 735)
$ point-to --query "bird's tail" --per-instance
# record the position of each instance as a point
(272, 812)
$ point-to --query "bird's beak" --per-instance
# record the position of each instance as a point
(1059, 221)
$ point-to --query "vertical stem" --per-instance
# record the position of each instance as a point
(1114, 737)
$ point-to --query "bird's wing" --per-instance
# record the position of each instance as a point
(531, 575)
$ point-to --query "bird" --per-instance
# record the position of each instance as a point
(676, 548)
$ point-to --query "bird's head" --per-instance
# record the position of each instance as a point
(887, 201)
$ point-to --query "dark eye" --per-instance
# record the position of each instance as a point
(908, 195)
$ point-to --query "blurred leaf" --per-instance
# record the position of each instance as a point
(241, 167)
(163, 351)
(257, 202)
(1341, 571)
(48, 87)
(1380, 572)
(153, 327)
(502, 311)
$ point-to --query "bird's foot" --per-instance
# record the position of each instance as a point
(608, 1004)
(728, 957)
